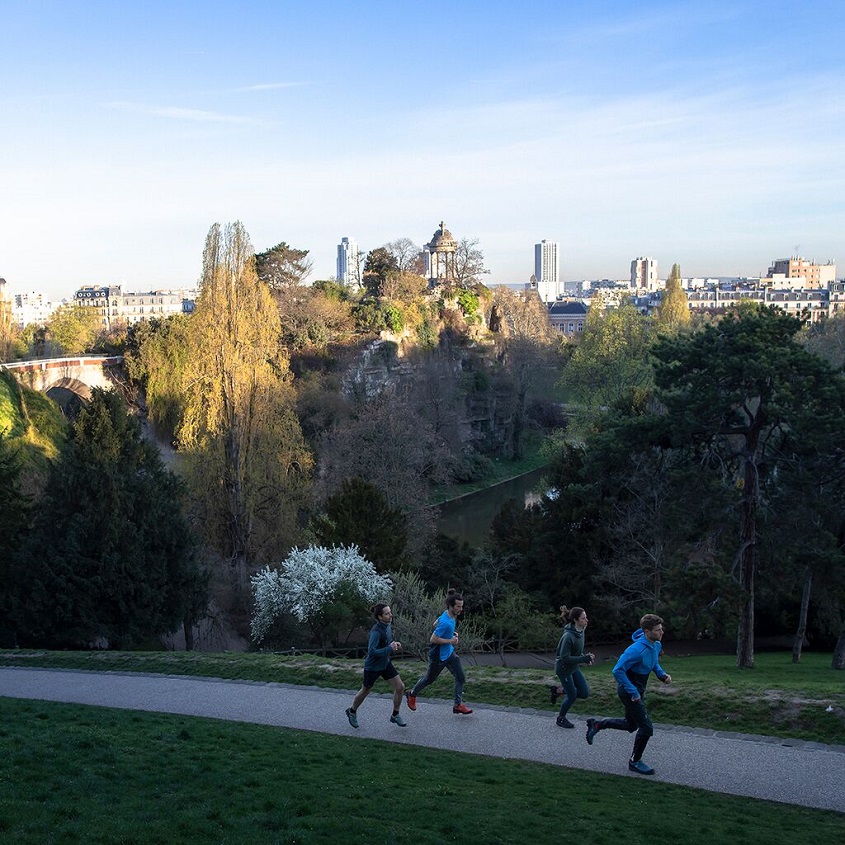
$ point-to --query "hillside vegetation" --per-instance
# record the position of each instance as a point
(32, 423)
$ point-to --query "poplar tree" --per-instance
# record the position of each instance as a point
(247, 459)
(674, 311)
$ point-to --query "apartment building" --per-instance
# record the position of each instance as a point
(113, 305)
(802, 273)
(644, 274)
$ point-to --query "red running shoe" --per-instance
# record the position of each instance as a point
(411, 701)
(461, 708)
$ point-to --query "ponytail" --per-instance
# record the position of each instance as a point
(377, 610)
(571, 614)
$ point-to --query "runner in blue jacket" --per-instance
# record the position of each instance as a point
(631, 671)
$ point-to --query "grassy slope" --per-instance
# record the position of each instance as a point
(73, 774)
(32, 422)
(777, 698)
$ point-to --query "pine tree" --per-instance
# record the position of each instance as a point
(360, 515)
(110, 558)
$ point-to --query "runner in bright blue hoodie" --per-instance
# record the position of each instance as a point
(631, 671)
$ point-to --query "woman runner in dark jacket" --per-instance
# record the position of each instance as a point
(570, 655)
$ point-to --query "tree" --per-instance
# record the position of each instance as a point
(827, 340)
(247, 459)
(311, 318)
(674, 311)
(391, 447)
(469, 263)
(359, 515)
(110, 558)
(415, 610)
(328, 588)
(15, 517)
(402, 286)
(283, 266)
(747, 395)
(610, 365)
(388, 445)
(156, 359)
(73, 328)
(407, 255)
(9, 334)
(524, 343)
(380, 262)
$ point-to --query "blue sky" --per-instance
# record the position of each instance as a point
(708, 134)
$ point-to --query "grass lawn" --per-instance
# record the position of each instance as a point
(777, 698)
(73, 774)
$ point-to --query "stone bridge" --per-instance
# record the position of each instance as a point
(78, 374)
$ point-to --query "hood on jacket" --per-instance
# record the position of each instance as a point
(639, 634)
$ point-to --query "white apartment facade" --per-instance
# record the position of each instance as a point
(32, 307)
(547, 270)
(115, 306)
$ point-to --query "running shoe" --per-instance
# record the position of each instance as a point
(461, 708)
(352, 716)
(398, 720)
(553, 695)
(640, 767)
(592, 730)
(563, 722)
(411, 701)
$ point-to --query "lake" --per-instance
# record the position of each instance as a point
(469, 518)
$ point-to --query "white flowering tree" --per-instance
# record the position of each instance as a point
(328, 588)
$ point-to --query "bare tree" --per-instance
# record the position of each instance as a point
(469, 263)
(525, 338)
(407, 255)
(390, 446)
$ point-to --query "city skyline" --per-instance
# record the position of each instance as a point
(707, 135)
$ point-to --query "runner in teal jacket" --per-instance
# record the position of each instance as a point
(570, 656)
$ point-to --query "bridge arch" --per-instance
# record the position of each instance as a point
(82, 390)
(78, 374)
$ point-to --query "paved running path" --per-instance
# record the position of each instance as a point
(791, 771)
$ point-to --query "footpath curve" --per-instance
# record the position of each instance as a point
(789, 771)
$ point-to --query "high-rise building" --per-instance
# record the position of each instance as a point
(644, 274)
(348, 263)
(546, 270)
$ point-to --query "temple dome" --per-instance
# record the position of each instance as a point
(442, 241)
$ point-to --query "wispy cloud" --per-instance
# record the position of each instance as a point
(179, 113)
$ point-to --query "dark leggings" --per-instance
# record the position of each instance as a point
(574, 686)
(636, 719)
(435, 667)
